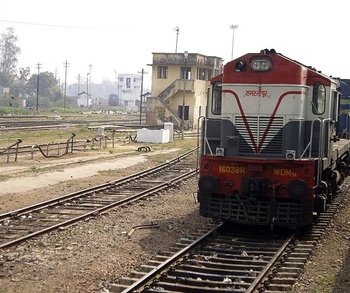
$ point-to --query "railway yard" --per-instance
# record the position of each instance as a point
(100, 253)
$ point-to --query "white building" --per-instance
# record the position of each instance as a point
(129, 89)
(84, 100)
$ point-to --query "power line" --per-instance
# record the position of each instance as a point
(61, 26)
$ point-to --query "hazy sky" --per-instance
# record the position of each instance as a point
(120, 36)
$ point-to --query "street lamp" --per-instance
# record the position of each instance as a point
(184, 96)
(233, 27)
(87, 90)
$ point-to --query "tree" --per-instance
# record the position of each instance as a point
(24, 74)
(8, 58)
(49, 92)
(47, 81)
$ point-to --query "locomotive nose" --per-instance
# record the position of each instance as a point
(208, 183)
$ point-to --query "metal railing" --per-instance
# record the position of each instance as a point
(10, 149)
(56, 149)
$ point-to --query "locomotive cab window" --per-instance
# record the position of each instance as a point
(216, 98)
(318, 98)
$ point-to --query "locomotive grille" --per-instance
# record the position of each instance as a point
(266, 140)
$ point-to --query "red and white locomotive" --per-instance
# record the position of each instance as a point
(270, 152)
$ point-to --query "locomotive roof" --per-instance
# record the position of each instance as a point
(284, 70)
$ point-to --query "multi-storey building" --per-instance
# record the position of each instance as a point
(179, 83)
(129, 89)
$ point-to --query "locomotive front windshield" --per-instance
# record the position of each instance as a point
(216, 98)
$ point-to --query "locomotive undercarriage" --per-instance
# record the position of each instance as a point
(327, 189)
(258, 211)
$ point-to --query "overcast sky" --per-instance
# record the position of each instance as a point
(120, 36)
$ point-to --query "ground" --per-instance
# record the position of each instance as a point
(87, 257)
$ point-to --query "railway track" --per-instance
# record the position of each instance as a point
(232, 259)
(53, 124)
(22, 224)
(42, 123)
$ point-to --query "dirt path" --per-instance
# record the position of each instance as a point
(64, 173)
(32, 181)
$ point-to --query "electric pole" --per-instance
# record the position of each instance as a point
(65, 84)
(78, 78)
(37, 87)
(142, 73)
(177, 37)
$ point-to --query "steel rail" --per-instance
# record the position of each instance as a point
(93, 189)
(201, 274)
(152, 274)
(270, 265)
(103, 209)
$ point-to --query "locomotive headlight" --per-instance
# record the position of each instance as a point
(220, 152)
(261, 65)
(297, 189)
(240, 65)
(290, 154)
(208, 184)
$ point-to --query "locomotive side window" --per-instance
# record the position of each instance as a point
(216, 98)
(335, 106)
(318, 98)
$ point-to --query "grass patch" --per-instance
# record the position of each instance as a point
(34, 169)
(326, 283)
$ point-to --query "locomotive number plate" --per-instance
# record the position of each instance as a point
(232, 169)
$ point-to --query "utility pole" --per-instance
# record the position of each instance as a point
(78, 78)
(142, 73)
(65, 84)
(177, 37)
(37, 87)
(90, 66)
(117, 78)
(184, 96)
(56, 74)
(87, 90)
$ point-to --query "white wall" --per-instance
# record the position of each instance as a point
(154, 136)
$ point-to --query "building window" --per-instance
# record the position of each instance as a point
(187, 74)
(128, 82)
(201, 74)
(162, 72)
(186, 114)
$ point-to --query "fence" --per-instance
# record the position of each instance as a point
(58, 149)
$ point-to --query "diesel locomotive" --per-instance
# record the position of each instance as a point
(272, 149)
